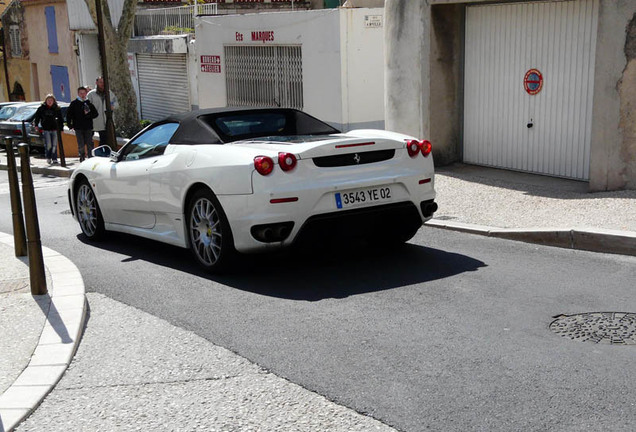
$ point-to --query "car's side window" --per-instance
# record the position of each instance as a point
(153, 142)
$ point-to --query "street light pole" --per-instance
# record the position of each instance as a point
(111, 140)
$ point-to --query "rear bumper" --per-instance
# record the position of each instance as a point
(314, 217)
(381, 222)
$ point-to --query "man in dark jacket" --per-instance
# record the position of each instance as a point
(49, 116)
(79, 116)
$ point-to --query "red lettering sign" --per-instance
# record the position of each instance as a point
(213, 68)
(262, 36)
(210, 59)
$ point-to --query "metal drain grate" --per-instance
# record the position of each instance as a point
(615, 328)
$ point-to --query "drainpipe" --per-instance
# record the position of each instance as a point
(4, 60)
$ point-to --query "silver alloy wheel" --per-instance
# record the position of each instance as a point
(87, 210)
(205, 231)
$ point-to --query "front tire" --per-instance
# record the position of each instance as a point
(89, 214)
(209, 232)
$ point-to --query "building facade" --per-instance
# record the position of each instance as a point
(16, 67)
(51, 50)
(538, 86)
(329, 63)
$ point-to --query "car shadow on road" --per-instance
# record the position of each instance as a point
(307, 274)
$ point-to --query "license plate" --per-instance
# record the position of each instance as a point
(362, 196)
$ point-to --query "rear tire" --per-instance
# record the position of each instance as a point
(209, 232)
(89, 214)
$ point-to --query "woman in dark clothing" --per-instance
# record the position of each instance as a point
(49, 116)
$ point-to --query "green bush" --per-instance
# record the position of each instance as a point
(131, 131)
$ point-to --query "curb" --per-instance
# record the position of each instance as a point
(53, 171)
(592, 240)
(58, 341)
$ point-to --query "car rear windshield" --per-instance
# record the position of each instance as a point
(237, 126)
(7, 112)
(24, 114)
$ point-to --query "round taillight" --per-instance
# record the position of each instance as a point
(263, 164)
(413, 147)
(426, 147)
(287, 161)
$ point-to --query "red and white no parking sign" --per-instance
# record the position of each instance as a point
(533, 82)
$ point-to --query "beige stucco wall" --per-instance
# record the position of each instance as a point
(627, 92)
(407, 69)
(613, 151)
(35, 20)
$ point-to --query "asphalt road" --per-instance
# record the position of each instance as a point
(449, 332)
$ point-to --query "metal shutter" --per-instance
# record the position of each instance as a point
(503, 43)
(264, 76)
(163, 85)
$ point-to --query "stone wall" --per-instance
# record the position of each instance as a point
(627, 92)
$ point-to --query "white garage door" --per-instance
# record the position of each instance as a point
(528, 86)
(163, 85)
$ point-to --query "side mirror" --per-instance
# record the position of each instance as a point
(102, 151)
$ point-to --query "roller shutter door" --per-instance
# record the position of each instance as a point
(504, 125)
(163, 85)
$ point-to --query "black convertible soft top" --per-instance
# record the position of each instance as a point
(224, 125)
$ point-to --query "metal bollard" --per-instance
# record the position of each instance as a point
(36, 262)
(19, 237)
(61, 149)
(25, 136)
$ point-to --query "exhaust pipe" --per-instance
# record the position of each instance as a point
(270, 233)
(428, 208)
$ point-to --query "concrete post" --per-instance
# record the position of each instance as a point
(407, 52)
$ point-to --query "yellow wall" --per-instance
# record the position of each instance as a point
(20, 71)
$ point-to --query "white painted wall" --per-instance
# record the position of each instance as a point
(89, 61)
(362, 59)
(343, 72)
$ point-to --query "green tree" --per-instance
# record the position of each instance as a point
(116, 38)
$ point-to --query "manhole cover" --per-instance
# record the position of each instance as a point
(617, 328)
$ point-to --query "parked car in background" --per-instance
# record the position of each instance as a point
(7, 109)
(24, 112)
(12, 126)
(220, 181)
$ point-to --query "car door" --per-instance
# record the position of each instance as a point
(125, 191)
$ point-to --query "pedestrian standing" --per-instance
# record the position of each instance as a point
(79, 116)
(49, 117)
(98, 97)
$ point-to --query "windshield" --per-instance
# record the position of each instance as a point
(24, 113)
(266, 123)
(7, 112)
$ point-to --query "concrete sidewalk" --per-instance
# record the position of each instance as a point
(40, 334)
(536, 209)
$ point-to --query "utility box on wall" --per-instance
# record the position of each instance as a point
(329, 63)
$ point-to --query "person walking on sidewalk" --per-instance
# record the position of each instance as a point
(49, 116)
(98, 98)
(79, 116)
